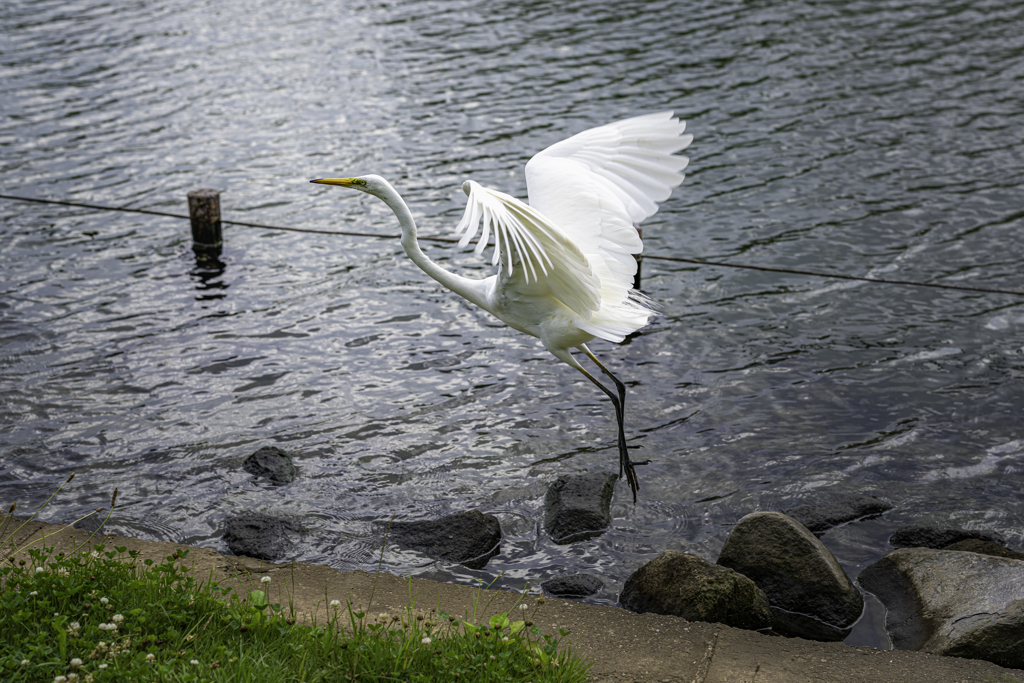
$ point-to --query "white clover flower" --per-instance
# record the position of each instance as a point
(117, 618)
(94, 554)
(34, 593)
(151, 657)
(504, 639)
(335, 603)
(62, 572)
(72, 678)
(104, 600)
(60, 679)
(524, 607)
(26, 662)
(76, 662)
(40, 570)
(426, 640)
(265, 579)
(102, 666)
(194, 662)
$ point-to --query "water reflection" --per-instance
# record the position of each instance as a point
(209, 273)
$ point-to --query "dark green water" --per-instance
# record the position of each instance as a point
(869, 138)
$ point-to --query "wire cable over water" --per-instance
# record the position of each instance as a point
(678, 259)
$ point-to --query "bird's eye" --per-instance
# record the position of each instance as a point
(359, 181)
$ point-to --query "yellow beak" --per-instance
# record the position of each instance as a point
(343, 182)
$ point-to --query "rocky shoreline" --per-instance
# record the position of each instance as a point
(946, 591)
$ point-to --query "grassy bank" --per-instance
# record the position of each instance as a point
(101, 614)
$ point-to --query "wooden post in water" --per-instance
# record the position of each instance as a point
(204, 210)
(639, 260)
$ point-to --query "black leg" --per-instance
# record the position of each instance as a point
(618, 385)
(625, 464)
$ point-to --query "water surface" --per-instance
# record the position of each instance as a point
(873, 138)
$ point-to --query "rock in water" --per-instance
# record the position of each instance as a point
(270, 462)
(467, 538)
(255, 534)
(578, 508)
(820, 517)
(572, 586)
(810, 594)
(950, 602)
(974, 545)
(687, 586)
(938, 538)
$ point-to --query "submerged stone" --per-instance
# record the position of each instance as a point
(270, 462)
(578, 507)
(836, 510)
(974, 545)
(937, 537)
(572, 586)
(467, 538)
(265, 537)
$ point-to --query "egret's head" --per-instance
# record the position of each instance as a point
(370, 184)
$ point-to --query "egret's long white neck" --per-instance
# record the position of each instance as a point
(471, 290)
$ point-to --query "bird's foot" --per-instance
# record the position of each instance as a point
(626, 467)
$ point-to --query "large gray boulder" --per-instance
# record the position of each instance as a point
(467, 538)
(578, 507)
(951, 602)
(810, 594)
(687, 586)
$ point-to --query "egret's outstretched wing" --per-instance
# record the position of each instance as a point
(525, 239)
(633, 159)
(596, 185)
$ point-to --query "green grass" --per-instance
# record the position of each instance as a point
(101, 614)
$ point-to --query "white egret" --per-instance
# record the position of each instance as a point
(567, 259)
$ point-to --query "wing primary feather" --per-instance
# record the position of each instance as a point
(471, 219)
(510, 251)
(540, 228)
(498, 229)
(496, 255)
(514, 250)
(485, 233)
(524, 258)
(530, 251)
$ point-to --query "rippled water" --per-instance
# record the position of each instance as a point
(869, 138)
